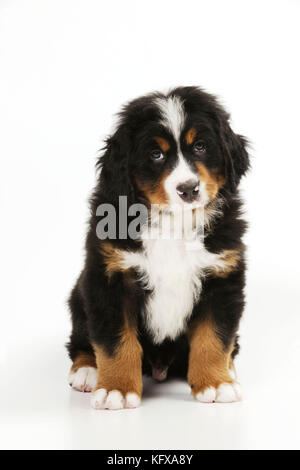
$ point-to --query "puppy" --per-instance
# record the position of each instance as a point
(161, 292)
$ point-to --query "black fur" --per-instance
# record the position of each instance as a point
(96, 301)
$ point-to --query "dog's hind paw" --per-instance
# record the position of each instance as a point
(83, 379)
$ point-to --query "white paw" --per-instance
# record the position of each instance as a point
(84, 379)
(225, 393)
(113, 400)
(208, 396)
(132, 400)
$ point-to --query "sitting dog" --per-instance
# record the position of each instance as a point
(166, 298)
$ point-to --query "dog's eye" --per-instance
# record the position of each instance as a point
(157, 155)
(199, 147)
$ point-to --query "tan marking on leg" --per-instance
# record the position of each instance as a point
(112, 257)
(231, 260)
(214, 180)
(163, 143)
(190, 135)
(83, 360)
(123, 370)
(208, 362)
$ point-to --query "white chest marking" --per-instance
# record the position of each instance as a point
(173, 270)
(175, 281)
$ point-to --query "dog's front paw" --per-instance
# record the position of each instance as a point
(83, 379)
(224, 393)
(114, 399)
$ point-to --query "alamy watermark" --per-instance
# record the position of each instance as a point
(137, 221)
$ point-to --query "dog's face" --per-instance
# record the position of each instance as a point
(175, 149)
(178, 158)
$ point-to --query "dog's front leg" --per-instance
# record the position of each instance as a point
(210, 370)
(112, 314)
(119, 373)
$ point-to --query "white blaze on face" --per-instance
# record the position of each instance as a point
(173, 115)
(181, 173)
(173, 118)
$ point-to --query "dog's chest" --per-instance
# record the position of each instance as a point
(172, 273)
(172, 270)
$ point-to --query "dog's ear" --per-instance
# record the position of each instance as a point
(236, 156)
(115, 178)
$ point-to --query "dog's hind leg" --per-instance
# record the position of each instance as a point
(83, 374)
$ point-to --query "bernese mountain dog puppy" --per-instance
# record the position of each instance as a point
(162, 294)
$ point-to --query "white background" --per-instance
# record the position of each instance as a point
(66, 67)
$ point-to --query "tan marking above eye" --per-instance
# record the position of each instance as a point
(163, 143)
(190, 136)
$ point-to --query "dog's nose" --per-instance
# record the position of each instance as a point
(188, 191)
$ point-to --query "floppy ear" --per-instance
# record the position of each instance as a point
(115, 176)
(236, 156)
